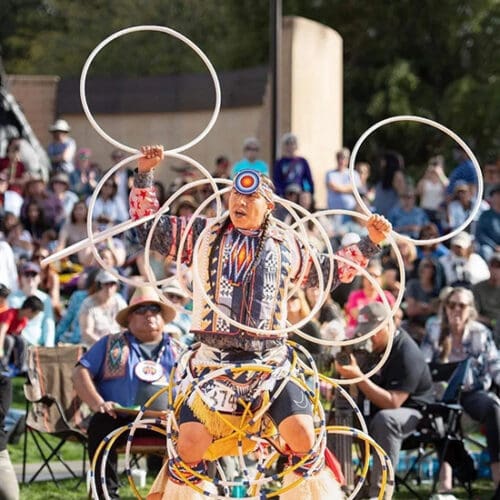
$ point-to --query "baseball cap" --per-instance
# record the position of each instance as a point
(462, 240)
(369, 317)
(60, 126)
(174, 288)
(105, 277)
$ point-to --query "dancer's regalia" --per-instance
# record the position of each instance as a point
(247, 275)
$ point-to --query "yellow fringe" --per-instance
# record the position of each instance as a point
(226, 438)
(321, 486)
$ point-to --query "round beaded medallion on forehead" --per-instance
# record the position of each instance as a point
(247, 182)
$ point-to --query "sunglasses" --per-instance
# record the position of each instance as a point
(460, 305)
(152, 308)
(30, 274)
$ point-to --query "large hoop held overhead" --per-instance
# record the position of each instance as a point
(449, 133)
(175, 34)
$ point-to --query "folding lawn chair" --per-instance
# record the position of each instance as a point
(55, 415)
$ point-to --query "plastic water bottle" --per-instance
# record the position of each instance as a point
(238, 490)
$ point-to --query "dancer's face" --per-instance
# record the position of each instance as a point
(248, 211)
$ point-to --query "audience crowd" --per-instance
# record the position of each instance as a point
(75, 301)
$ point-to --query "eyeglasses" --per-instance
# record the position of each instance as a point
(152, 308)
(30, 274)
(252, 149)
(109, 284)
(460, 305)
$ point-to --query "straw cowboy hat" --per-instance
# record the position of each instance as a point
(145, 295)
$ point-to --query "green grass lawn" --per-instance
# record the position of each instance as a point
(67, 490)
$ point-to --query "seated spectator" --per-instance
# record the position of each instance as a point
(365, 190)
(41, 329)
(222, 168)
(9, 488)
(463, 267)
(59, 184)
(85, 177)
(291, 168)
(123, 176)
(463, 172)
(460, 207)
(366, 294)
(49, 279)
(491, 177)
(68, 328)
(391, 185)
(98, 311)
(143, 345)
(431, 189)
(109, 208)
(10, 201)
(433, 326)
(487, 298)
(488, 226)
(74, 229)
(292, 194)
(421, 298)
(112, 252)
(52, 208)
(62, 149)
(398, 392)
(406, 218)
(13, 168)
(340, 187)
(179, 328)
(408, 251)
(34, 221)
(434, 251)
(250, 160)
(461, 337)
(314, 234)
(13, 347)
(19, 240)
(185, 206)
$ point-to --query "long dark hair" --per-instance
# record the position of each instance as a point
(445, 333)
(391, 163)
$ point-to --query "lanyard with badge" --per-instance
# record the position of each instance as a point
(148, 370)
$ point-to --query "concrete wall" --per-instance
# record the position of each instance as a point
(316, 94)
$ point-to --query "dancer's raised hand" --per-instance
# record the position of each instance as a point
(152, 156)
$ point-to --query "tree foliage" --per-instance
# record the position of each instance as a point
(434, 59)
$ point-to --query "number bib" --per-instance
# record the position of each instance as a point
(148, 371)
(222, 398)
